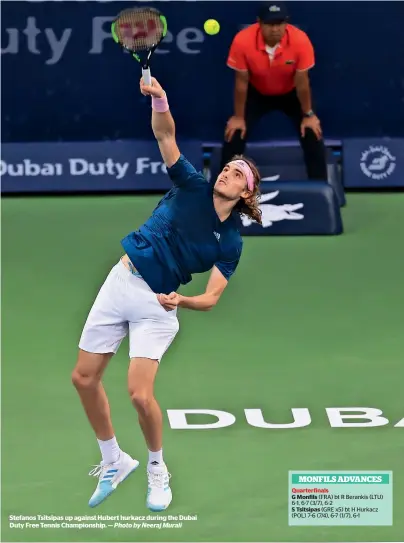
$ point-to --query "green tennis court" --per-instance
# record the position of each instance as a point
(306, 322)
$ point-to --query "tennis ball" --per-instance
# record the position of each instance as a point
(211, 27)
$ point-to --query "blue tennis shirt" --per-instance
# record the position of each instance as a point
(184, 235)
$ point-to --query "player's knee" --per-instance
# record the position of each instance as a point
(83, 380)
(141, 400)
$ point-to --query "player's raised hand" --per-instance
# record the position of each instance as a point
(155, 89)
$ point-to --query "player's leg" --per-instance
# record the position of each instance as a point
(313, 149)
(255, 108)
(86, 378)
(148, 342)
(141, 376)
(102, 335)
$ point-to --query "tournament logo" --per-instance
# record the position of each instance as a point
(377, 162)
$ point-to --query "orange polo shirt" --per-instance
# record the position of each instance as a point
(271, 76)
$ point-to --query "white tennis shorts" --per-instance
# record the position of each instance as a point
(126, 304)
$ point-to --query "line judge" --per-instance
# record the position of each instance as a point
(272, 59)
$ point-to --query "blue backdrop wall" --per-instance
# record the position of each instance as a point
(63, 78)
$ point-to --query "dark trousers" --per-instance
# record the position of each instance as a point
(257, 106)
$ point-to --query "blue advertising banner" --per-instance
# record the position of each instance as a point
(373, 163)
(91, 166)
(64, 78)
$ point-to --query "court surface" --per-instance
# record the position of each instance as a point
(310, 322)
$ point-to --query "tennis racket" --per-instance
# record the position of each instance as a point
(140, 31)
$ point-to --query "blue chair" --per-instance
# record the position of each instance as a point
(278, 163)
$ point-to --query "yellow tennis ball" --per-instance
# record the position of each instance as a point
(211, 27)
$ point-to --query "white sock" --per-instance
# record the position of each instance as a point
(110, 450)
(156, 458)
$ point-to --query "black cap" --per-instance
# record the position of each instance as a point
(273, 12)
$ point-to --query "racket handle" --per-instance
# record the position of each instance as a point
(146, 76)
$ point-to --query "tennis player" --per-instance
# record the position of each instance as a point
(192, 230)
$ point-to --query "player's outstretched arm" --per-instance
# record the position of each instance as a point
(162, 122)
(204, 302)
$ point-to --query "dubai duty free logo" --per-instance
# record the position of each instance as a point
(377, 162)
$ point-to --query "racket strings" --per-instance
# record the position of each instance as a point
(139, 30)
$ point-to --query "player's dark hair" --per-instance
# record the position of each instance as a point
(250, 206)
